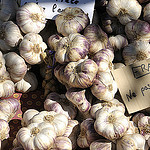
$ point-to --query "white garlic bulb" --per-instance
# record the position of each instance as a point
(136, 51)
(146, 14)
(31, 18)
(10, 36)
(32, 48)
(16, 66)
(71, 20)
(131, 142)
(2, 63)
(124, 10)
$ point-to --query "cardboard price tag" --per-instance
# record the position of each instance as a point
(133, 82)
(54, 7)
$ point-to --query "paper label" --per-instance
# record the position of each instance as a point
(133, 82)
(54, 7)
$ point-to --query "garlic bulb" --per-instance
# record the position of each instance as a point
(31, 18)
(2, 63)
(136, 51)
(111, 123)
(10, 36)
(16, 66)
(4, 130)
(131, 142)
(114, 103)
(146, 14)
(87, 133)
(71, 20)
(71, 48)
(97, 37)
(27, 115)
(144, 126)
(102, 144)
(59, 121)
(60, 104)
(78, 98)
(104, 86)
(78, 74)
(6, 85)
(124, 10)
(53, 40)
(62, 143)
(137, 30)
(8, 10)
(103, 59)
(9, 107)
(32, 48)
(136, 117)
(37, 136)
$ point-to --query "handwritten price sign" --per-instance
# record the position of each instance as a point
(134, 85)
(54, 7)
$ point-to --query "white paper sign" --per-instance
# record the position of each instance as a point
(54, 7)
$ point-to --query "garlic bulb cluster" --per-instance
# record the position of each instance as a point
(31, 18)
(32, 48)
(124, 10)
(71, 20)
(71, 48)
(10, 37)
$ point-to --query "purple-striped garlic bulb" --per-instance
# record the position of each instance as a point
(7, 87)
(104, 86)
(27, 115)
(9, 107)
(32, 48)
(102, 144)
(136, 117)
(146, 13)
(87, 133)
(31, 18)
(78, 98)
(16, 66)
(104, 60)
(131, 141)
(100, 104)
(80, 74)
(97, 37)
(71, 20)
(136, 51)
(137, 30)
(10, 36)
(144, 126)
(4, 130)
(72, 48)
(111, 123)
(60, 104)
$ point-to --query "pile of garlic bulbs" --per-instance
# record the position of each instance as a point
(82, 107)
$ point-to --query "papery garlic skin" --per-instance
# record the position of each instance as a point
(132, 128)
(146, 14)
(104, 86)
(144, 126)
(72, 48)
(137, 30)
(131, 142)
(111, 123)
(27, 115)
(60, 104)
(124, 10)
(10, 36)
(15, 65)
(87, 133)
(31, 18)
(32, 48)
(71, 20)
(136, 51)
(59, 121)
(36, 136)
(103, 59)
(97, 37)
(4, 130)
